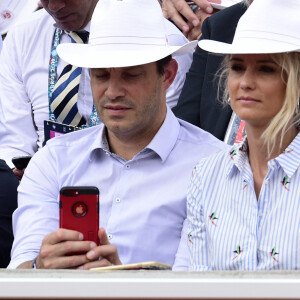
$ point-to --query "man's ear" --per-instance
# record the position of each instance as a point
(170, 72)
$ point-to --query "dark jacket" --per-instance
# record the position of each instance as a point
(198, 102)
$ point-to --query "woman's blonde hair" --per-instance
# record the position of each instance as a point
(289, 114)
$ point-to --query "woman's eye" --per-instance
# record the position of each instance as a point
(267, 69)
(236, 68)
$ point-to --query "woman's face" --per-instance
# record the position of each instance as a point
(256, 88)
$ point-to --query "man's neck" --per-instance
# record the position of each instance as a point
(127, 146)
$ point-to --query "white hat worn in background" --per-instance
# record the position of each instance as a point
(123, 33)
(268, 26)
(13, 10)
(224, 3)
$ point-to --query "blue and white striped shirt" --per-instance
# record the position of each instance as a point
(229, 229)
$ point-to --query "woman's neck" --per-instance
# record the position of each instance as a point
(258, 154)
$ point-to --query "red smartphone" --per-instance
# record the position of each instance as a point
(79, 210)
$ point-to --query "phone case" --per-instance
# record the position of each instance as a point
(79, 210)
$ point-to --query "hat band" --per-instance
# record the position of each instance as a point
(268, 36)
(133, 40)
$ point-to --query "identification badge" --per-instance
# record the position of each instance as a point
(53, 129)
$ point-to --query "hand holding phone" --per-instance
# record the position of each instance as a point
(79, 211)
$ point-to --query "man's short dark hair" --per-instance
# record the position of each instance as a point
(162, 63)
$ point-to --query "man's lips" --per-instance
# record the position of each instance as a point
(62, 18)
(116, 107)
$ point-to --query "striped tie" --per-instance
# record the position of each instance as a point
(65, 93)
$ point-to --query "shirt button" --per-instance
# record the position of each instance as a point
(127, 167)
(118, 200)
(266, 181)
(109, 236)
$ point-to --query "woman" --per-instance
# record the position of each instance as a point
(244, 204)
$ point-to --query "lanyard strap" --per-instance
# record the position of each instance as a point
(94, 118)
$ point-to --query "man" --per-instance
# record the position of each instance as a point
(199, 100)
(140, 160)
(26, 75)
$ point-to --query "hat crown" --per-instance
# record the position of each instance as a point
(125, 33)
(274, 20)
(128, 22)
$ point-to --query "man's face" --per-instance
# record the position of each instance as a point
(70, 14)
(131, 101)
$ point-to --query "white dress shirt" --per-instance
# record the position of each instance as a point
(24, 72)
(142, 201)
(230, 229)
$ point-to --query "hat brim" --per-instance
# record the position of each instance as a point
(248, 46)
(91, 56)
(223, 4)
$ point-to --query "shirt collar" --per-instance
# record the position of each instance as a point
(166, 137)
(238, 155)
(162, 143)
(289, 160)
(86, 28)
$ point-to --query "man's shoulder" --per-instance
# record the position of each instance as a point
(35, 22)
(192, 134)
(75, 139)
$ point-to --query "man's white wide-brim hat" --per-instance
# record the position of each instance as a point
(268, 26)
(11, 11)
(123, 33)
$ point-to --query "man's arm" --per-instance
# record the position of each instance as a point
(18, 136)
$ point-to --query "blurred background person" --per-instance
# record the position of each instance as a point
(199, 102)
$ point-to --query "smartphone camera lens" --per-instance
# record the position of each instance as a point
(79, 209)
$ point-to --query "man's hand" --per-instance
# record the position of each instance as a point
(57, 246)
(18, 173)
(173, 9)
(103, 255)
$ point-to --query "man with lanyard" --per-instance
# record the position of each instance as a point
(30, 71)
(140, 159)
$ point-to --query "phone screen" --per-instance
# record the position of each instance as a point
(79, 210)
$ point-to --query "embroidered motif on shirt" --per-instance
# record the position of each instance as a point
(273, 253)
(245, 184)
(285, 182)
(234, 152)
(238, 251)
(212, 218)
(190, 237)
(287, 151)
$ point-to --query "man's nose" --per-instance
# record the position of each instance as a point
(114, 89)
(56, 5)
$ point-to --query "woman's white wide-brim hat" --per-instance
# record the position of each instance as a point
(11, 11)
(123, 33)
(268, 26)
